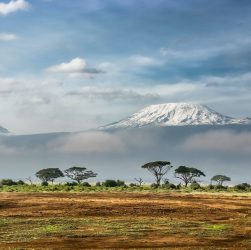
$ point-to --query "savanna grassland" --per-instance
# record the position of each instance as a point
(123, 220)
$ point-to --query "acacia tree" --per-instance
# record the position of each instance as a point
(49, 174)
(220, 179)
(187, 174)
(30, 180)
(158, 169)
(79, 174)
(139, 180)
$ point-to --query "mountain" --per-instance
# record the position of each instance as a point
(176, 114)
(4, 131)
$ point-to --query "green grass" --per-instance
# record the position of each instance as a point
(146, 188)
(21, 230)
(216, 227)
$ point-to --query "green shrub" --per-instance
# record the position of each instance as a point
(132, 185)
(44, 183)
(8, 182)
(20, 182)
(210, 187)
(113, 183)
(242, 187)
(154, 185)
(71, 184)
(220, 188)
(195, 186)
(85, 184)
(168, 186)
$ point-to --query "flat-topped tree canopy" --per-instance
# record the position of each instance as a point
(49, 174)
(188, 174)
(220, 179)
(79, 174)
(158, 169)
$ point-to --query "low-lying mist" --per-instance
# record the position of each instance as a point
(120, 154)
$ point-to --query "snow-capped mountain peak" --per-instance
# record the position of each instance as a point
(176, 114)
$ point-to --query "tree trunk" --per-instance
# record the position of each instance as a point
(158, 182)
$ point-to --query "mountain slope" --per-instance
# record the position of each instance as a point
(176, 114)
(3, 131)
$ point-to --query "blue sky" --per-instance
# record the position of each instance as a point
(73, 65)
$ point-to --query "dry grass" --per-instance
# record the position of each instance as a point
(124, 220)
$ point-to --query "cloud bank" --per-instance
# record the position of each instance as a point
(120, 154)
(87, 142)
(113, 94)
(219, 142)
(13, 6)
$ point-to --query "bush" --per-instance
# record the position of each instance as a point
(169, 186)
(98, 184)
(132, 185)
(44, 183)
(166, 182)
(8, 182)
(20, 182)
(85, 184)
(154, 185)
(195, 186)
(121, 183)
(242, 187)
(71, 184)
(220, 188)
(109, 183)
(210, 187)
(113, 183)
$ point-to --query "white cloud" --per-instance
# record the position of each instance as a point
(8, 84)
(219, 141)
(76, 67)
(87, 142)
(143, 60)
(7, 37)
(13, 6)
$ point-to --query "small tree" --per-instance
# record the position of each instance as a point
(220, 179)
(139, 180)
(29, 179)
(158, 169)
(188, 175)
(79, 174)
(49, 174)
(113, 183)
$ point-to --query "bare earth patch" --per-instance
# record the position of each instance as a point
(124, 220)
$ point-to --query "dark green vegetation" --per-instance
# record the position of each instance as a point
(188, 175)
(79, 174)
(49, 174)
(220, 179)
(117, 185)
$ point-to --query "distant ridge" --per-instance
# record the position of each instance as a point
(176, 114)
(4, 130)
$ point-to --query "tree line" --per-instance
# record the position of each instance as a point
(187, 175)
(158, 169)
